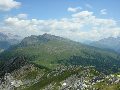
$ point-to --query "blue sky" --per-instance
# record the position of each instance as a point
(73, 19)
(46, 9)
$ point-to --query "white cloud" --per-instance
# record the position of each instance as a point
(81, 26)
(6, 5)
(22, 16)
(82, 14)
(87, 17)
(71, 9)
(103, 11)
(97, 34)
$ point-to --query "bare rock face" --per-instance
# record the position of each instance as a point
(21, 78)
(29, 77)
(9, 82)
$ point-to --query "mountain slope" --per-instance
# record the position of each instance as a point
(51, 51)
(30, 77)
(108, 43)
(7, 40)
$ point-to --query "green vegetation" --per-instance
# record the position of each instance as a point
(50, 51)
(57, 77)
(105, 86)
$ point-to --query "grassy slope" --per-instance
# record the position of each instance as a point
(49, 53)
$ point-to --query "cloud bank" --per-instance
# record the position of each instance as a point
(7, 5)
(82, 25)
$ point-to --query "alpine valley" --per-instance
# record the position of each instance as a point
(49, 62)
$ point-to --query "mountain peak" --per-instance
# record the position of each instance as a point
(3, 37)
(45, 34)
(112, 43)
(33, 39)
(6, 40)
(51, 37)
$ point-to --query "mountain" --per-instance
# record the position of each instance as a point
(50, 51)
(110, 43)
(48, 62)
(1, 50)
(3, 37)
(6, 40)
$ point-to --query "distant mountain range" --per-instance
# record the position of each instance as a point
(50, 51)
(110, 43)
(6, 40)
